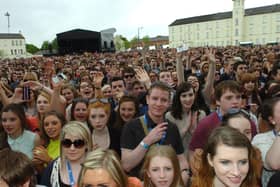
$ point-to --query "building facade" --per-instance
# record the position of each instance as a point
(259, 25)
(12, 45)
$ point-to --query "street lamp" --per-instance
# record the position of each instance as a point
(8, 16)
(139, 28)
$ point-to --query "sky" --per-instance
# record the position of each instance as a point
(41, 20)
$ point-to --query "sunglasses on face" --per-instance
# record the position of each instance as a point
(128, 76)
(77, 143)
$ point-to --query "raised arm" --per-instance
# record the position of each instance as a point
(58, 102)
(209, 85)
(179, 68)
(98, 84)
(4, 98)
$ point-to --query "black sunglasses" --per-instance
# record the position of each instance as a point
(77, 143)
(128, 76)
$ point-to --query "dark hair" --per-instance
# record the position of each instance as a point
(238, 63)
(230, 137)
(161, 86)
(114, 79)
(267, 109)
(16, 168)
(126, 98)
(74, 103)
(223, 86)
(51, 113)
(128, 69)
(177, 108)
(18, 110)
(136, 82)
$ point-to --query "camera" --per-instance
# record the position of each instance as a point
(58, 77)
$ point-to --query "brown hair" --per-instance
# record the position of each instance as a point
(230, 137)
(16, 168)
(223, 86)
(162, 151)
(247, 77)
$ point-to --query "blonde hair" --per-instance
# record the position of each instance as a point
(30, 76)
(75, 128)
(105, 159)
(162, 151)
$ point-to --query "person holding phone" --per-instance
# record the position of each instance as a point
(149, 130)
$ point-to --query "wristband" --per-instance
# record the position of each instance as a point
(144, 145)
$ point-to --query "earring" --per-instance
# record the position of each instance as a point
(273, 122)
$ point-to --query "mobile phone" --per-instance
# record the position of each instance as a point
(59, 77)
(26, 93)
(182, 48)
(55, 79)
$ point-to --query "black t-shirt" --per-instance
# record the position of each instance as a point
(133, 133)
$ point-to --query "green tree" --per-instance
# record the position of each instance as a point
(146, 40)
(45, 45)
(54, 44)
(127, 43)
(134, 42)
(30, 48)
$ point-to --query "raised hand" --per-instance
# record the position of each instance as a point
(142, 76)
(98, 77)
(210, 54)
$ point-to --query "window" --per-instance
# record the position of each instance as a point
(236, 22)
(278, 28)
(21, 51)
(13, 43)
(264, 19)
(12, 52)
(217, 25)
(263, 41)
(16, 42)
(20, 42)
(264, 28)
(207, 35)
(15, 51)
(236, 32)
(278, 18)
(236, 42)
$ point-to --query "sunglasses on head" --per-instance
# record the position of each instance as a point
(77, 143)
(102, 100)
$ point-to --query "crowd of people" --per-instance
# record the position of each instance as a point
(205, 117)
